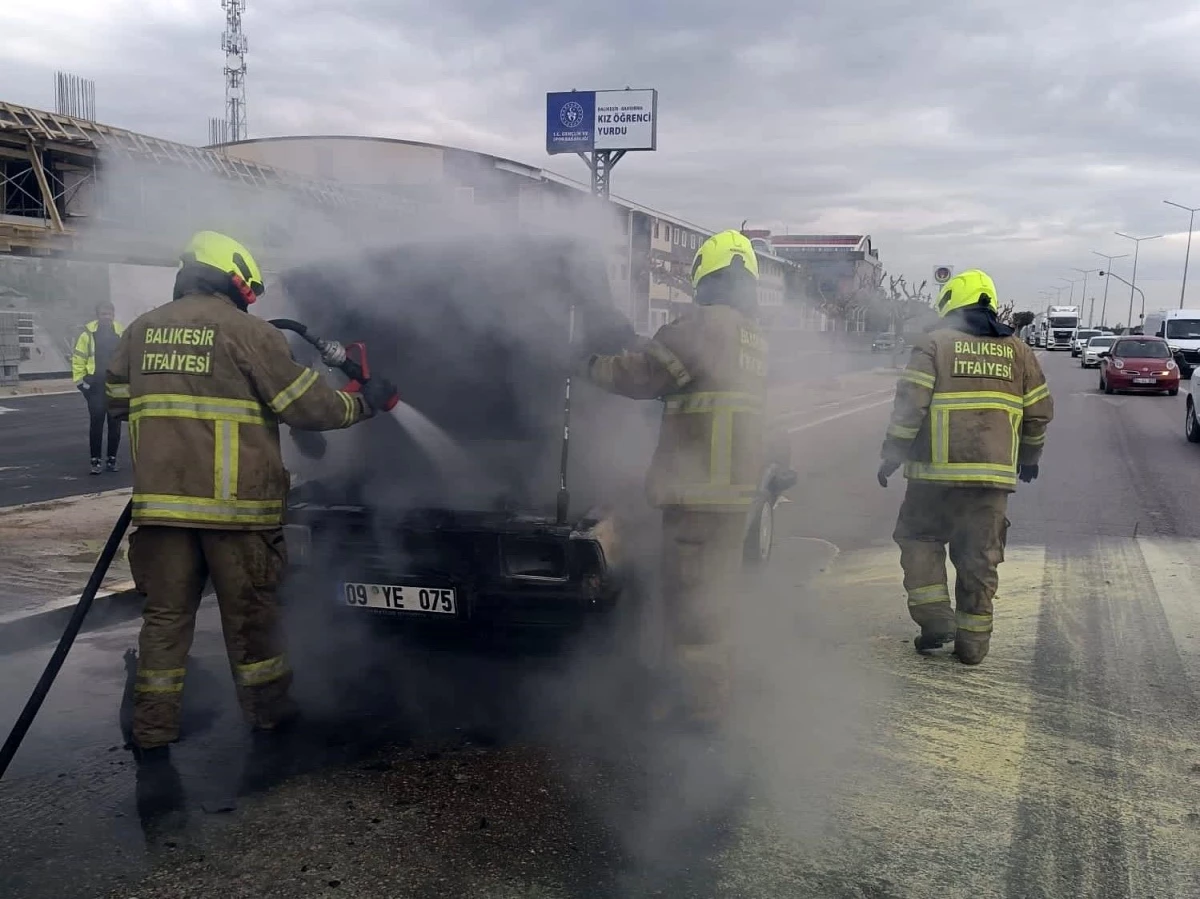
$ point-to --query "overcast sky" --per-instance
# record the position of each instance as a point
(1014, 136)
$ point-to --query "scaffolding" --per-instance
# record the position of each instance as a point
(52, 168)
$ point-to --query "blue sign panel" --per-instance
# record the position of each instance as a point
(570, 122)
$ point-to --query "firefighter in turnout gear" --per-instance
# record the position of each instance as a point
(708, 368)
(205, 386)
(969, 420)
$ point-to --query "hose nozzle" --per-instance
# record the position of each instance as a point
(332, 353)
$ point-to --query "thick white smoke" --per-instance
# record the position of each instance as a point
(467, 310)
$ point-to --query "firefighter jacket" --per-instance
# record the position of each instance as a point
(708, 367)
(205, 386)
(969, 410)
(83, 358)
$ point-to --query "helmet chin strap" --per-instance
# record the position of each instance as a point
(240, 285)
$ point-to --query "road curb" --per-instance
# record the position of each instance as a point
(25, 631)
(45, 504)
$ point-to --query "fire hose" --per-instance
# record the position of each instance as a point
(350, 359)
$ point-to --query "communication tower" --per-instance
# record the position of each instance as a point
(233, 41)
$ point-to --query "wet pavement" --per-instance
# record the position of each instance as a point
(1068, 764)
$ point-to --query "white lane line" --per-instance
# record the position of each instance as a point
(4, 409)
(862, 396)
(837, 415)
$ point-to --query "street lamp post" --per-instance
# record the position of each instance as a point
(1083, 294)
(1131, 289)
(1072, 282)
(1137, 244)
(1104, 302)
(1191, 211)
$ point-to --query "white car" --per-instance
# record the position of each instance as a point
(1080, 338)
(1090, 356)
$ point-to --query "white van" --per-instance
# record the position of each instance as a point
(1181, 330)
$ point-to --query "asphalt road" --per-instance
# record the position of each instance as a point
(44, 450)
(1067, 765)
(44, 438)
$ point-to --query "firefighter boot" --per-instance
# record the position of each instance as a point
(971, 649)
(928, 641)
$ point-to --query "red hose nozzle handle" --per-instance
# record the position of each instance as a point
(358, 371)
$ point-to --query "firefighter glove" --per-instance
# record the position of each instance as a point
(886, 470)
(380, 394)
(1027, 473)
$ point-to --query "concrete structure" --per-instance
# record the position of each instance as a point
(80, 190)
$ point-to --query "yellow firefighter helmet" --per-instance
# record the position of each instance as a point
(970, 288)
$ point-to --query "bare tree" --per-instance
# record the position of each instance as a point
(907, 302)
(843, 305)
(670, 277)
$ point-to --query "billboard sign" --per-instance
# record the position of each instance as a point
(585, 121)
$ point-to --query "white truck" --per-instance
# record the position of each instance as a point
(1180, 328)
(1037, 331)
(1060, 324)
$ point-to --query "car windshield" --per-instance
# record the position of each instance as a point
(1084, 335)
(1142, 349)
(1102, 342)
(1063, 322)
(1184, 328)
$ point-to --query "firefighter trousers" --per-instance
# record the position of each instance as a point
(971, 520)
(170, 565)
(702, 559)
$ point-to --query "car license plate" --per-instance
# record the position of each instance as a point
(1145, 380)
(401, 598)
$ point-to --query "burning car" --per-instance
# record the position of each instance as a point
(502, 492)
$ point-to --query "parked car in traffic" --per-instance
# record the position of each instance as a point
(1139, 364)
(1080, 338)
(886, 342)
(1090, 357)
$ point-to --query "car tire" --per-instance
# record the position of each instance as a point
(1191, 427)
(1174, 392)
(1106, 387)
(761, 537)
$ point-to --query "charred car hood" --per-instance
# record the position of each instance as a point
(476, 336)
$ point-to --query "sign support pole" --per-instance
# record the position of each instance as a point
(600, 163)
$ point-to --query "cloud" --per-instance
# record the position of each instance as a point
(1011, 135)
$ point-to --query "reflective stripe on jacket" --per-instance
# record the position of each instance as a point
(83, 358)
(969, 410)
(204, 387)
(709, 369)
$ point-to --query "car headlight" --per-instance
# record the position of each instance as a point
(1117, 363)
(1171, 365)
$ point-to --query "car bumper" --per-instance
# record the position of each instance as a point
(1127, 382)
(328, 551)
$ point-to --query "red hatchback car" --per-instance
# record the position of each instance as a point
(1138, 363)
